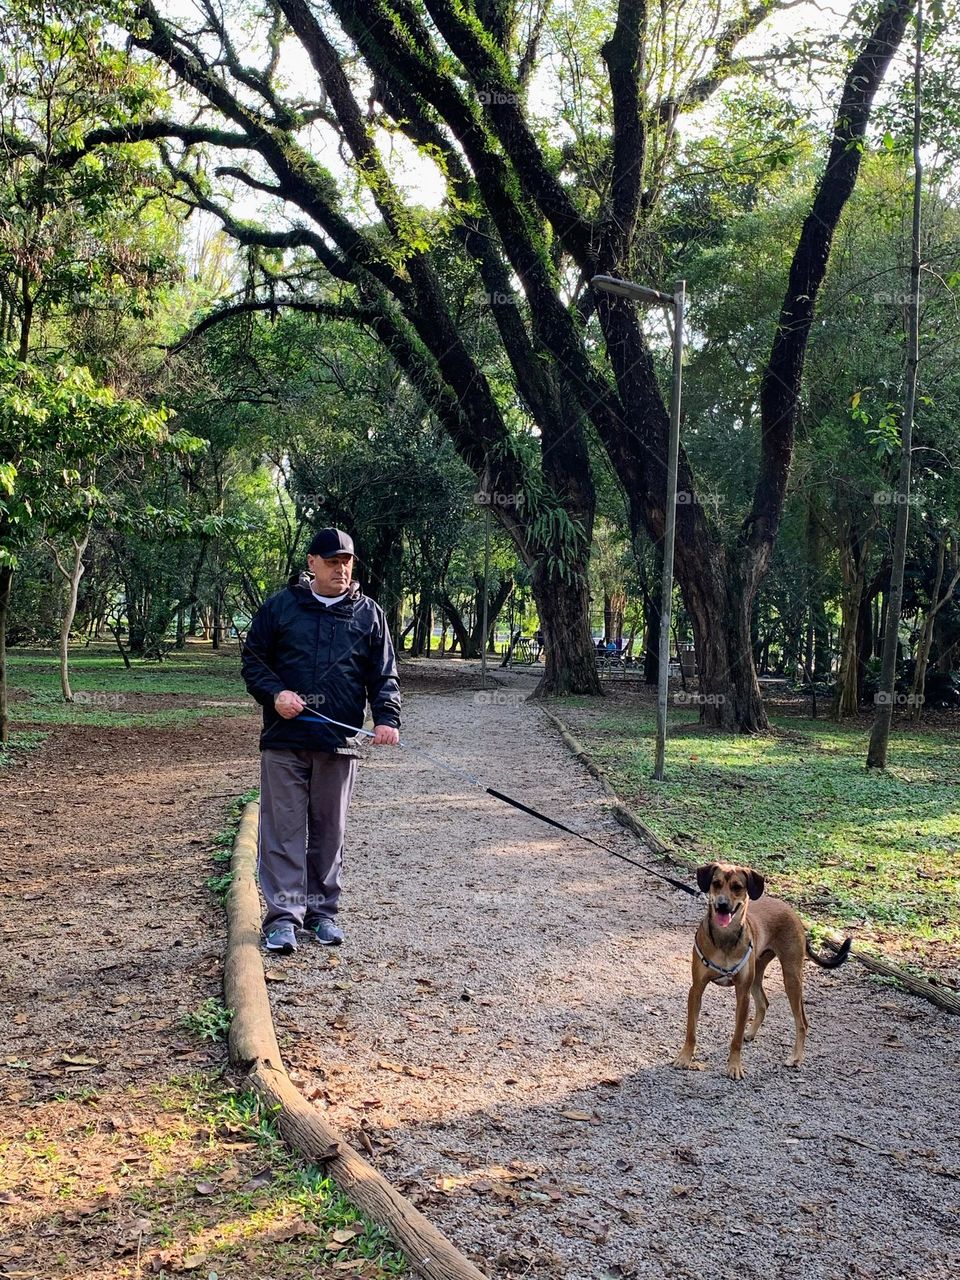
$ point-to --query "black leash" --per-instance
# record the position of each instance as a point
(516, 804)
(614, 853)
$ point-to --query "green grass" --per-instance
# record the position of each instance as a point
(103, 686)
(210, 1020)
(202, 1170)
(848, 846)
(20, 742)
(295, 1189)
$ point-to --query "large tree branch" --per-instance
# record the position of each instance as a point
(780, 386)
(499, 93)
(328, 66)
(403, 57)
(259, 82)
(116, 135)
(726, 63)
(301, 179)
(623, 54)
(479, 238)
(255, 236)
(328, 310)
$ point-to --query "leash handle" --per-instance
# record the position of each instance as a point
(417, 751)
(308, 711)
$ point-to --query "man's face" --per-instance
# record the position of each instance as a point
(331, 575)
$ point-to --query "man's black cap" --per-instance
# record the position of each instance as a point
(330, 542)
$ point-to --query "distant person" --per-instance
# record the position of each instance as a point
(317, 646)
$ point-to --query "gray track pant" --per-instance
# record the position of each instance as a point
(304, 798)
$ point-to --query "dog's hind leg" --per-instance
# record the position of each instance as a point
(760, 1001)
(793, 982)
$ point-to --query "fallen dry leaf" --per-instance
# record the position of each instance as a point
(344, 1235)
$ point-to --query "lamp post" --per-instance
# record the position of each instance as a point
(675, 302)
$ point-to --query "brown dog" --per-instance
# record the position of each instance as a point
(733, 949)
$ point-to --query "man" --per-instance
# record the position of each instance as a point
(318, 646)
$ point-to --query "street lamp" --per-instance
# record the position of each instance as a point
(675, 300)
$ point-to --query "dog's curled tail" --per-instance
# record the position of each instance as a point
(832, 961)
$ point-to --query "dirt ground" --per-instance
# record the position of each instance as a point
(109, 938)
(496, 1033)
(106, 922)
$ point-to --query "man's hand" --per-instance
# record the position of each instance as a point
(384, 735)
(288, 704)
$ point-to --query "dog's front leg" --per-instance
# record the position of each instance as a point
(734, 1065)
(694, 999)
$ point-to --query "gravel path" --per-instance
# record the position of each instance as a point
(497, 1032)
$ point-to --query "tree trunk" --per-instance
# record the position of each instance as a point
(508, 654)
(563, 605)
(71, 576)
(635, 618)
(864, 642)
(945, 642)
(461, 633)
(495, 602)
(854, 556)
(6, 584)
(422, 625)
(848, 687)
(937, 601)
(216, 629)
(880, 733)
(651, 626)
(720, 607)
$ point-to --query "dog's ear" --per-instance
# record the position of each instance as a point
(754, 884)
(705, 876)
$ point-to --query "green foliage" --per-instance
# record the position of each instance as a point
(80, 229)
(20, 742)
(58, 427)
(219, 885)
(210, 1020)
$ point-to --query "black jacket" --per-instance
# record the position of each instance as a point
(336, 657)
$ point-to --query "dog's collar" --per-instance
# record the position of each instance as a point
(727, 973)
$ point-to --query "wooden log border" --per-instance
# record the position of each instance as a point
(942, 997)
(254, 1049)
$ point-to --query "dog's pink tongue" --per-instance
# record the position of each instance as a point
(723, 918)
